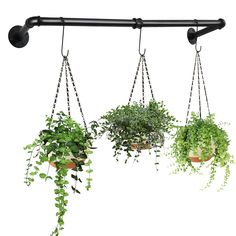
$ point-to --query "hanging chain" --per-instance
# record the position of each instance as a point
(143, 87)
(191, 90)
(58, 88)
(149, 80)
(67, 89)
(142, 60)
(77, 96)
(199, 89)
(135, 79)
(198, 64)
(203, 81)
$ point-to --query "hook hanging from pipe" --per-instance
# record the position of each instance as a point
(140, 38)
(62, 40)
(197, 50)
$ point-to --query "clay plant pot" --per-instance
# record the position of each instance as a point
(69, 165)
(197, 159)
(143, 146)
(195, 156)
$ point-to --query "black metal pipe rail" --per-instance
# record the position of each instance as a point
(19, 36)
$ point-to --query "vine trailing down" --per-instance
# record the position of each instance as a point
(64, 145)
(201, 140)
(136, 126)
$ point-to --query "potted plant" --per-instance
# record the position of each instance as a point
(135, 127)
(64, 145)
(205, 142)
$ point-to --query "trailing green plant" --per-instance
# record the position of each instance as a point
(212, 141)
(64, 142)
(135, 124)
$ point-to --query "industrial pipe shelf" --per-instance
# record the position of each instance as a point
(19, 36)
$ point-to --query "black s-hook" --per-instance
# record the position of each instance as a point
(140, 38)
(197, 50)
(62, 40)
(138, 23)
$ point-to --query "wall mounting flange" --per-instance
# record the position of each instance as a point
(17, 37)
(192, 34)
(192, 38)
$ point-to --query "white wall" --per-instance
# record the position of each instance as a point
(125, 199)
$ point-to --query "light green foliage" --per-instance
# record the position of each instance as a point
(135, 123)
(64, 137)
(202, 133)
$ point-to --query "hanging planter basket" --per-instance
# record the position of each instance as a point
(201, 140)
(136, 126)
(64, 145)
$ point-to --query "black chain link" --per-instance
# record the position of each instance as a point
(199, 89)
(58, 88)
(77, 96)
(135, 79)
(67, 89)
(143, 86)
(148, 76)
(204, 84)
(191, 90)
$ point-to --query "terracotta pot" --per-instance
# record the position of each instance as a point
(69, 165)
(143, 146)
(195, 156)
(197, 159)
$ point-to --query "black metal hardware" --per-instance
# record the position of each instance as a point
(139, 44)
(19, 36)
(62, 40)
(138, 23)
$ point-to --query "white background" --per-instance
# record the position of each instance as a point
(127, 199)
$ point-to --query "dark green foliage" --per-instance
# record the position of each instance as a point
(202, 134)
(135, 123)
(63, 138)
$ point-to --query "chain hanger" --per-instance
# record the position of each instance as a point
(200, 77)
(68, 73)
(143, 63)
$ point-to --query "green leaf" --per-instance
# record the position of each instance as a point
(74, 177)
(48, 177)
(42, 175)
(75, 190)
